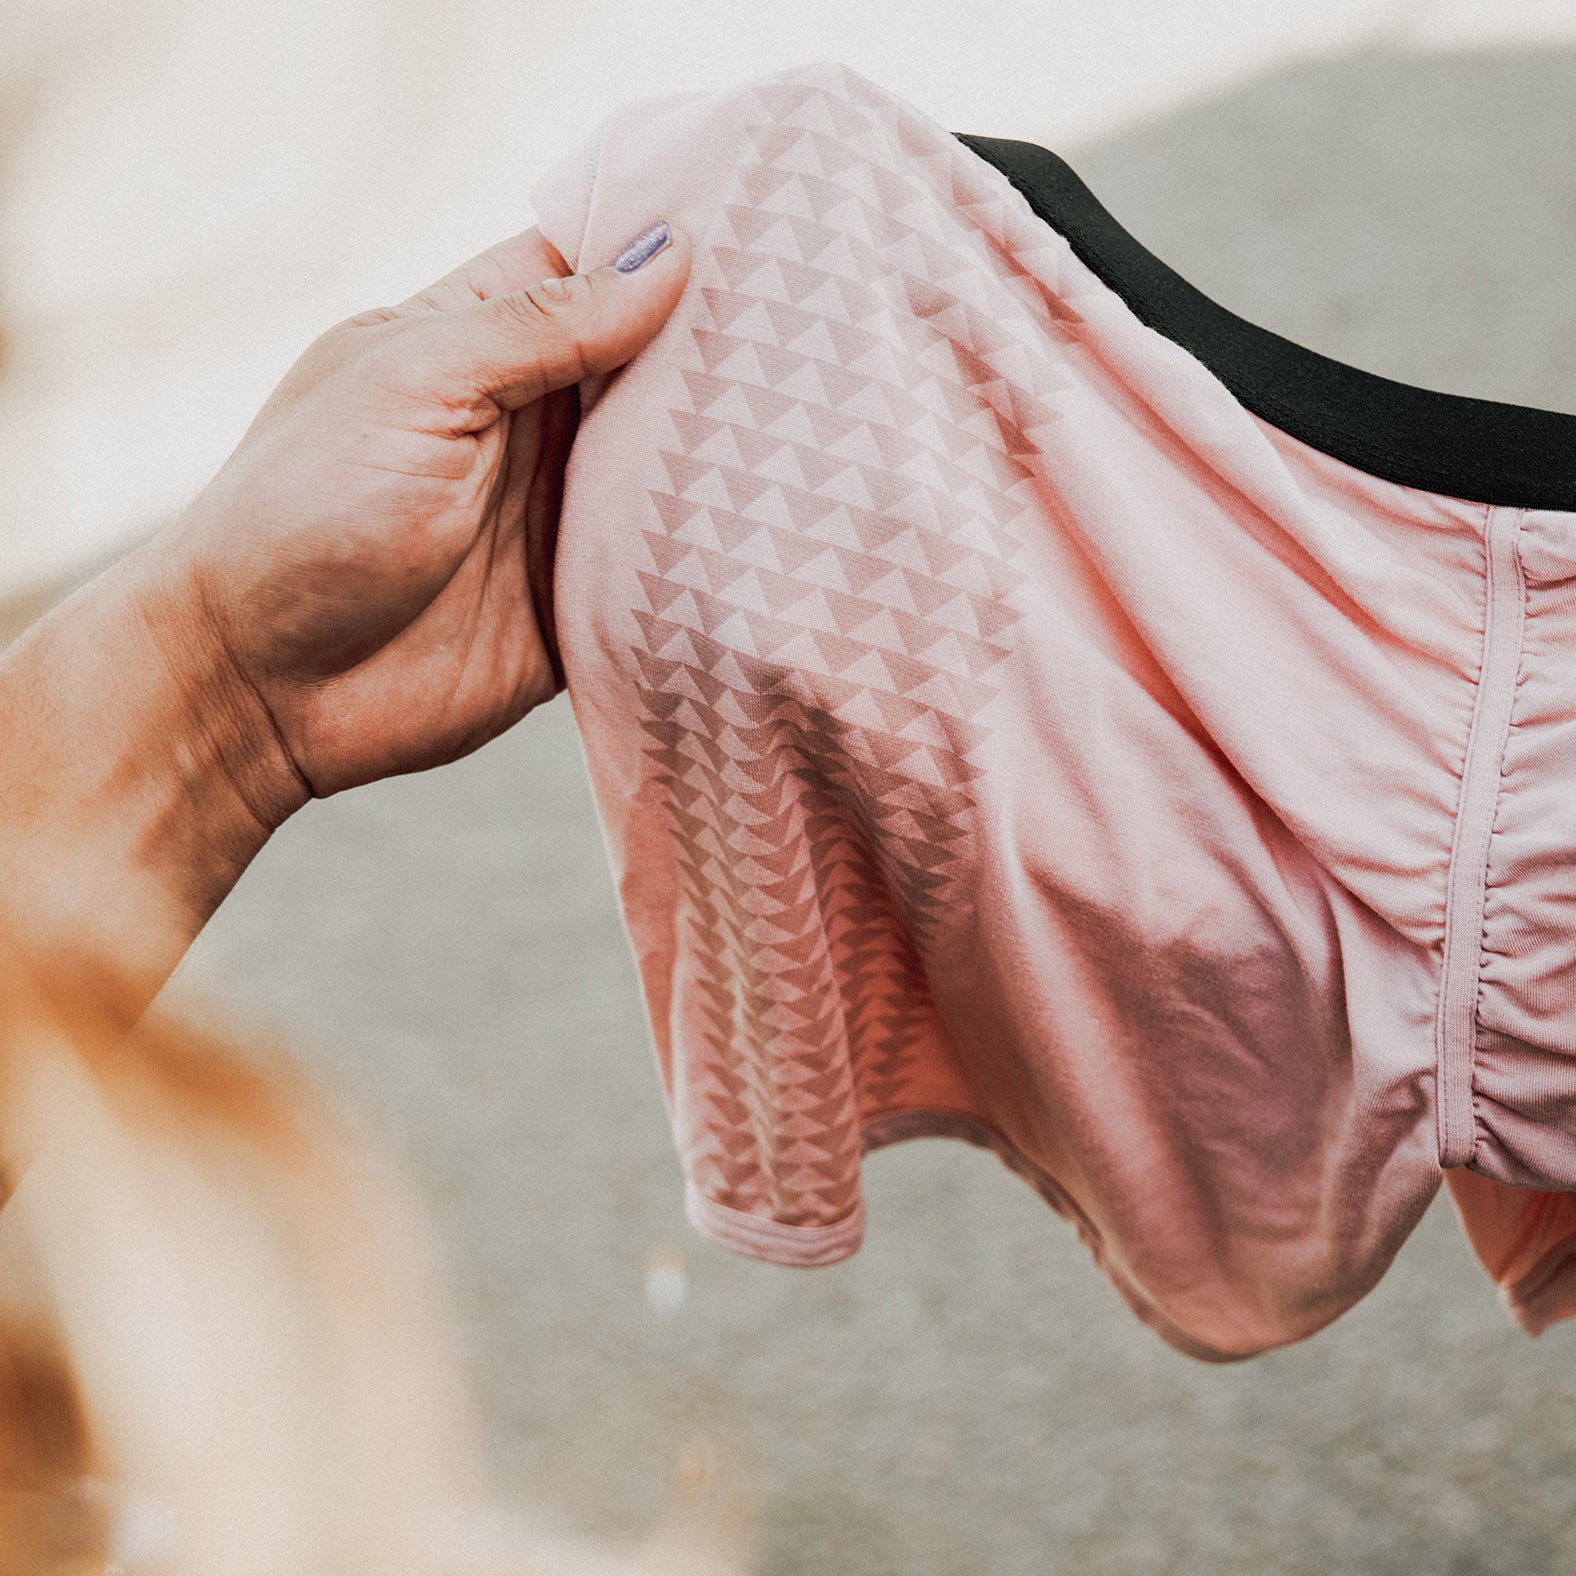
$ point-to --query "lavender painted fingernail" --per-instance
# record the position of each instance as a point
(643, 248)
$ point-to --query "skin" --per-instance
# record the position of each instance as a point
(355, 595)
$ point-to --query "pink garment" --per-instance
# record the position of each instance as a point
(1002, 732)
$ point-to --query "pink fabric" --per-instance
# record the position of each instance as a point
(1001, 732)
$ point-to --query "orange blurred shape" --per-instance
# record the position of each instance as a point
(224, 1347)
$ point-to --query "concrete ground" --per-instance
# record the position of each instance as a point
(967, 1394)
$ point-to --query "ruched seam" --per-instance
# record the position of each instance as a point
(1467, 878)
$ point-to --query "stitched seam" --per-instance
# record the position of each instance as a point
(1511, 723)
(593, 158)
(1442, 1086)
(1455, 1048)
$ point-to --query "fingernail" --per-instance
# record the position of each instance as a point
(643, 247)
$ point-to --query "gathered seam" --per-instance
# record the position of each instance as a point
(1477, 806)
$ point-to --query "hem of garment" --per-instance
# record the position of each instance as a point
(1546, 1294)
(810, 1247)
(1466, 878)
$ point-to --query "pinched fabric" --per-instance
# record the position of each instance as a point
(1000, 732)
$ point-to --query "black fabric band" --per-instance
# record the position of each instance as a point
(1444, 443)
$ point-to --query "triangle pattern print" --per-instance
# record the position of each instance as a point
(830, 582)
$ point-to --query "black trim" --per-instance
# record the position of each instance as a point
(1451, 444)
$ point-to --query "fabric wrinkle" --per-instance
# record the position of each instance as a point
(1002, 729)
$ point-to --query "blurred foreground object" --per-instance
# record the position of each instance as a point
(223, 1344)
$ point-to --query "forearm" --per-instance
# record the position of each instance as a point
(137, 778)
(351, 598)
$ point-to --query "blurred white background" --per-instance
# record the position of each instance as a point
(191, 190)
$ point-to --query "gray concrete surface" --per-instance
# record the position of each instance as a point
(967, 1394)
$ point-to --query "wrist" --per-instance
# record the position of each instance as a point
(141, 775)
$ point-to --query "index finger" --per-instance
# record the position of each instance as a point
(519, 263)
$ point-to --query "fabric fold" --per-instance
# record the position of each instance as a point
(1001, 732)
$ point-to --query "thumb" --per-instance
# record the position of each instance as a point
(510, 350)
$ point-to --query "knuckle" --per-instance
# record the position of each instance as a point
(549, 309)
(352, 340)
(376, 352)
(483, 277)
(376, 317)
(324, 356)
(527, 309)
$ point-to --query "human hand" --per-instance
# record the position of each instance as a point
(373, 559)
(356, 594)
